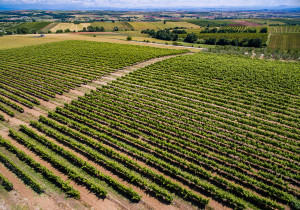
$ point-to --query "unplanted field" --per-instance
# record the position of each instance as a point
(285, 41)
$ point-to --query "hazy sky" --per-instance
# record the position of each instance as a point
(52, 4)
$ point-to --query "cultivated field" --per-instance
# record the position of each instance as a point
(178, 132)
(240, 36)
(211, 23)
(160, 25)
(71, 26)
(285, 41)
(110, 26)
(32, 27)
(14, 41)
(284, 29)
(29, 94)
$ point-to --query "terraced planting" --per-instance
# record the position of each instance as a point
(212, 130)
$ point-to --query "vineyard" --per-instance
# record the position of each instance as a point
(208, 129)
(284, 29)
(50, 69)
(285, 37)
(285, 41)
(239, 36)
(160, 25)
(236, 28)
(211, 23)
(31, 27)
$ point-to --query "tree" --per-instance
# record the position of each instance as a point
(175, 37)
(129, 38)
(22, 31)
(165, 21)
(211, 41)
(116, 28)
(191, 38)
(235, 42)
(222, 41)
(255, 42)
(264, 30)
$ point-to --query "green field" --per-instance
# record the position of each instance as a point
(263, 21)
(284, 29)
(264, 37)
(211, 23)
(32, 27)
(160, 25)
(284, 41)
(48, 28)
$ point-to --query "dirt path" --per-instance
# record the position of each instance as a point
(120, 73)
(80, 91)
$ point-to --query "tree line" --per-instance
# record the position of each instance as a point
(166, 34)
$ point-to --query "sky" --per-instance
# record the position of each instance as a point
(98, 4)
